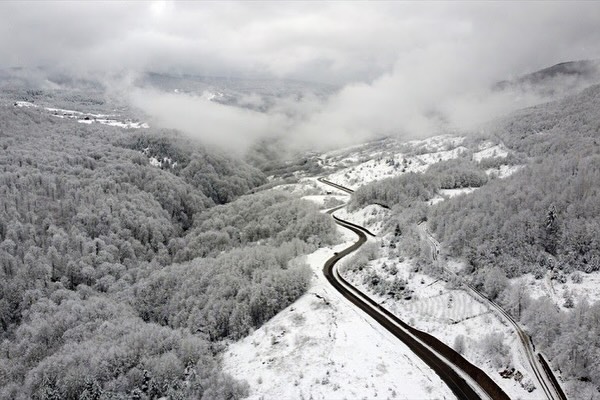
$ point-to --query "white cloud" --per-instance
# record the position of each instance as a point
(215, 124)
(404, 67)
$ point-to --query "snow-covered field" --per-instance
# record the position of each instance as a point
(386, 166)
(360, 165)
(448, 314)
(87, 118)
(322, 347)
(90, 118)
(456, 192)
(588, 288)
(490, 150)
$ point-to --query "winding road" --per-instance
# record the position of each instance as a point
(543, 374)
(464, 379)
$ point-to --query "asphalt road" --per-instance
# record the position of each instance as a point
(439, 357)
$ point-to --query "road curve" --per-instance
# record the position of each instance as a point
(335, 185)
(543, 374)
(438, 356)
(456, 383)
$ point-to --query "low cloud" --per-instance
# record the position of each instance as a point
(405, 68)
(435, 92)
(215, 124)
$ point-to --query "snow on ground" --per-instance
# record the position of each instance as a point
(372, 217)
(165, 161)
(87, 118)
(503, 170)
(326, 348)
(325, 201)
(449, 193)
(323, 347)
(90, 118)
(368, 171)
(490, 150)
(436, 143)
(25, 104)
(435, 200)
(447, 313)
(209, 96)
(127, 124)
(431, 158)
(154, 162)
(359, 165)
(588, 288)
(391, 159)
(456, 192)
(310, 187)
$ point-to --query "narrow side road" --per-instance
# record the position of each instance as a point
(543, 374)
(335, 185)
(452, 368)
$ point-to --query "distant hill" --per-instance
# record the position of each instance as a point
(562, 78)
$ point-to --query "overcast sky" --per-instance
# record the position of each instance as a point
(389, 56)
(332, 42)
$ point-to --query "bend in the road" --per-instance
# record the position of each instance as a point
(440, 357)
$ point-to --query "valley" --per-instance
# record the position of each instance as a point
(291, 200)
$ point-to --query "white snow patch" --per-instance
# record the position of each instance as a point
(456, 192)
(309, 187)
(322, 347)
(435, 200)
(127, 124)
(372, 217)
(503, 170)
(446, 313)
(25, 104)
(431, 158)
(154, 162)
(159, 163)
(437, 143)
(209, 96)
(493, 151)
(90, 118)
(322, 199)
(589, 288)
(378, 164)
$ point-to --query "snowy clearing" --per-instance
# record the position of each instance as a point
(448, 313)
(490, 151)
(385, 159)
(322, 347)
(588, 288)
(87, 118)
(456, 192)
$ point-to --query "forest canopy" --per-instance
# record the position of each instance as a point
(102, 291)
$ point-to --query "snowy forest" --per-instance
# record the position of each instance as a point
(102, 291)
(544, 218)
(277, 200)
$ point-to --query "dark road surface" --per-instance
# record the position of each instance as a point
(433, 352)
